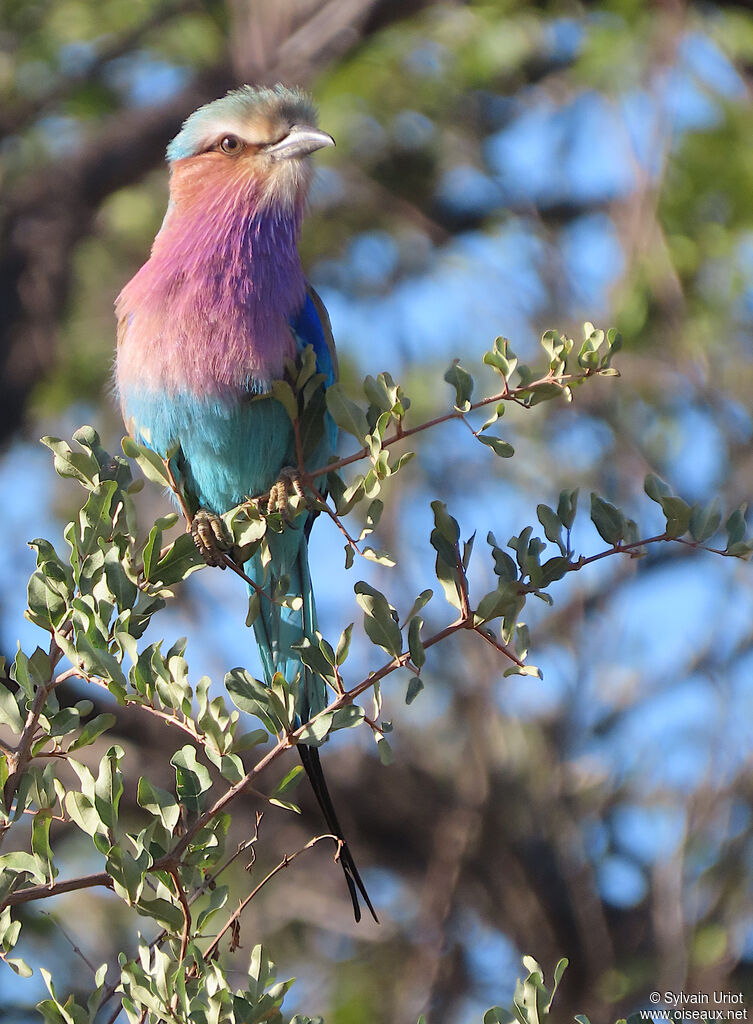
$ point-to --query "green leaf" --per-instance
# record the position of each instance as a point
(313, 657)
(552, 570)
(47, 600)
(191, 777)
(496, 1015)
(81, 809)
(415, 686)
(655, 488)
(502, 358)
(346, 414)
(19, 966)
(315, 732)
(158, 802)
(108, 788)
(415, 646)
(40, 838)
(148, 461)
(246, 524)
(552, 525)
(126, 872)
(380, 557)
(559, 970)
(92, 730)
(254, 607)
(94, 523)
(343, 646)
(492, 604)
(249, 740)
(502, 448)
(20, 861)
(421, 601)
(462, 381)
(217, 900)
(607, 519)
(347, 717)
(95, 661)
(705, 521)
(282, 392)
(289, 782)
(166, 914)
(504, 565)
(10, 713)
(81, 466)
(377, 393)
(678, 515)
(567, 506)
(379, 624)
(735, 527)
(180, 560)
(385, 751)
(154, 543)
(445, 524)
(252, 696)
(373, 515)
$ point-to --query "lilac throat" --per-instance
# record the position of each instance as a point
(209, 312)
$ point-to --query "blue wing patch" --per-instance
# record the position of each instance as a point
(311, 327)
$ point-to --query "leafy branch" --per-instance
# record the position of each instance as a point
(96, 603)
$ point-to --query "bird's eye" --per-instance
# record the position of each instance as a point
(231, 144)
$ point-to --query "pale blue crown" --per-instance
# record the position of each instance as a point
(239, 105)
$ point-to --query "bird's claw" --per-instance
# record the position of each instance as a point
(288, 483)
(211, 537)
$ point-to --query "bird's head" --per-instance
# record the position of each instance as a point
(253, 137)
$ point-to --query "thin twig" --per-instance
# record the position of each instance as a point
(76, 949)
(186, 913)
(188, 516)
(508, 395)
(286, 860)
(234, 567)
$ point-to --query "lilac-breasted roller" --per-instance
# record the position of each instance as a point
(205, 328)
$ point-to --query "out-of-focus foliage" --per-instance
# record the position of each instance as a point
(500, 167)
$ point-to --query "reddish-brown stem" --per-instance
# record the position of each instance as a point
(20, 756)
(228, 561)
(40, 892)
(180, 893)
(286, 860)
(617, 549)
(178, 493)
(508, 395)
(491, 639)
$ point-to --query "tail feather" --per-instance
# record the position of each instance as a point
(277, 629)
(310, 759)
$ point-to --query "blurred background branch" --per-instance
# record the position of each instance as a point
(500, 167)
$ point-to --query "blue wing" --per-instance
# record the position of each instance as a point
(311, 326)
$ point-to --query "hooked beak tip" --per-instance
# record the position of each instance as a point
(301, 140)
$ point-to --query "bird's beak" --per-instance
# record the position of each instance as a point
(301, 140)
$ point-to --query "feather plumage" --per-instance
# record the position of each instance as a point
(204, 328)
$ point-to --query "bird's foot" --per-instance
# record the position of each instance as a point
(288, 483)
(211, 537)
